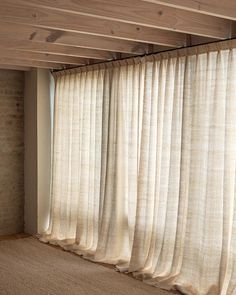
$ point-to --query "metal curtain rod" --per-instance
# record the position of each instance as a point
(147, 54)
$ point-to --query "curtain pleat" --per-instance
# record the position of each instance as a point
(143, 173)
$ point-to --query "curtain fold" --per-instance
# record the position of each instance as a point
(143, 174)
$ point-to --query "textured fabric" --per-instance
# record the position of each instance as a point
(29, 267)
(144, 169)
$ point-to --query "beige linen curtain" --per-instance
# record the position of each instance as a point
(144, 160)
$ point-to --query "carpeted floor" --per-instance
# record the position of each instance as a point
(28, 267)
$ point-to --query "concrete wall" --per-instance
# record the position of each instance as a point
(38, 99)
(11, 151)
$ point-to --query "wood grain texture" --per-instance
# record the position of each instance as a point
(24, 32)
(16, 68)
(56, 19)
(225, 9)
(58, 49)
(140, 13)
(64, 33)
(38, 56)
(51, 48)
(30, 63)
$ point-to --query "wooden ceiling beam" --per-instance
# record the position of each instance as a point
(25, 32)
(139, 13)
(225, 9)
(50, 48)
(61, 59)
(30, 63)
(16, 68)
(56, 19)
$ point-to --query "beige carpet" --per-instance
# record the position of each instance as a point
(28, 267)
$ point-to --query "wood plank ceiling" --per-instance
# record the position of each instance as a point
(60, 34)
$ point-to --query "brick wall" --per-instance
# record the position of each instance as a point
(11, 152)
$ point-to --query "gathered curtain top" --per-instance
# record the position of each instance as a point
(173, 53)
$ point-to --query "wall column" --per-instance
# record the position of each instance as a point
(38, 103)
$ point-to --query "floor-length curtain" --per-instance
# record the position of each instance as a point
(143, 175)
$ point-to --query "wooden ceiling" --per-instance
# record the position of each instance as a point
(60, 34)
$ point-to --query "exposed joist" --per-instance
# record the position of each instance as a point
(225, 9)
(50, 48)
(139, 13)
(16, 68)
(234, 30)
(153, 48)
(157, 48)
(196, 40)
(55, 19)
(29, 63)
(61, 59)
(25, 32)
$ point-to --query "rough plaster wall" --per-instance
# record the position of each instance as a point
(11, 151)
